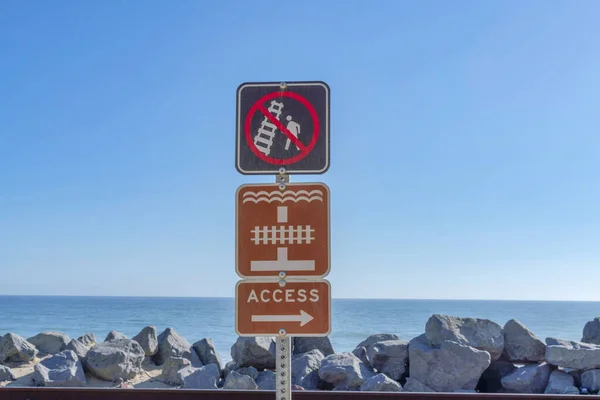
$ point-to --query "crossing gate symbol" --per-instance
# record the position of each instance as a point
(282, 235)
(261, 142)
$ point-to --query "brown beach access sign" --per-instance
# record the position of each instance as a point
(301, 308)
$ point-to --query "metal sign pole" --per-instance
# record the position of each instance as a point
(283, 352)
(283, 383)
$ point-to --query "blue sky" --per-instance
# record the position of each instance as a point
(464, 143)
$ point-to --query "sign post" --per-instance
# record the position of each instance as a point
(283, 229)
(283, 369)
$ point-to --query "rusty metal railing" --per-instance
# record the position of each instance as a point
(183, 394)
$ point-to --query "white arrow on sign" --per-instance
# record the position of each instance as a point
(304, 318)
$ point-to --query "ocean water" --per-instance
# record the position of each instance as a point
(352, 320)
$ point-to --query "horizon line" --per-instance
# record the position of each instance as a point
(333, 298)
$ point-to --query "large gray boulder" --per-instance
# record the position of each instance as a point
(61, 370)
(175, 370)
(230, 366)
(15, 349)
(389, 357)
(79, 347)
(361, 349)
(306, 344)
(575, 373)
(89, 339)
(206, 377)
(521, 344)
(250, 371)
(481, 334)
(114, 360)
(453, 366)
(361, 354)
(561, 382)
(6, 374)
(305, 369)
(50, 342)
(380, 383)
(115, 335)
(207, 352)
(148, 340)
(591, 380)
(172, 344)
(378, 337)
(238, 381)
(258, 352)
(491, 379)
(531, 378)
(569, 354)
(266, 380)
(591, 331)
(413, 385)
(345, 371)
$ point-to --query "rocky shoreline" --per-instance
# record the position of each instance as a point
(453, 355)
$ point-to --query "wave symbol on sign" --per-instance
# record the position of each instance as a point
(288, 195)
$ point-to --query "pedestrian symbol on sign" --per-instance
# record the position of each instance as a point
(294, 129)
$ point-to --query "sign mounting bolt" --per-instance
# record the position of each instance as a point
(283, 177)
(282, 332)
(282, 283)
(283, 85)
(282, 274)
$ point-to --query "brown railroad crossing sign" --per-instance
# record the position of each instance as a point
(282, 230)
(302, 308)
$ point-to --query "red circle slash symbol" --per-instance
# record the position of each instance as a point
(304, 150)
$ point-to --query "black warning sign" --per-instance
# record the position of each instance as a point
(283, 125)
